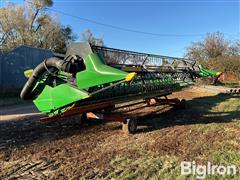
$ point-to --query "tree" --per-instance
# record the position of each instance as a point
(30, 24)
(212, 46)
(65, 38)
(234, 48)
(215, 52)
(88, 36)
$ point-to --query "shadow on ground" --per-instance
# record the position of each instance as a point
(198, 111)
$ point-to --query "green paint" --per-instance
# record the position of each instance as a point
(57, 95)
(204, 72)
(97, 73)
(52, 98)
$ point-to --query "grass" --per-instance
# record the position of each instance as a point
(209, 130)
(148, 166)
(227, 156)
(225, 150)
(224, 111)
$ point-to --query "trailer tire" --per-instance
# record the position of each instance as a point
(130, 126)
(182, 104)
(84, 119)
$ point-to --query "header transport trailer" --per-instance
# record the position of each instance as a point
(91, 80)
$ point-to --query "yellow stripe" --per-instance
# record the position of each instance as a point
(28, 72)
(130, 76)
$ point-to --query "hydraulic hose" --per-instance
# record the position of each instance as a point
(53, 62)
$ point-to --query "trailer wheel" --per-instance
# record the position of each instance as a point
(130, 126)
(180, 105)
(83, 119)
(183, 104)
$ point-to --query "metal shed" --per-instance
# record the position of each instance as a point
(14, 63)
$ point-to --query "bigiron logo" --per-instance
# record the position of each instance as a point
(201, 171)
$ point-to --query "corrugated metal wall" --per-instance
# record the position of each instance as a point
(14, 63)
(1, 69)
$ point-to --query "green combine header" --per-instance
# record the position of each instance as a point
(91, 80)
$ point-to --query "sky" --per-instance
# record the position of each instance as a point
(183, 21)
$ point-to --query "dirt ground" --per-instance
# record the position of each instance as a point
(207, 130)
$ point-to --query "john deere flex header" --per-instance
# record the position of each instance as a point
(92, 79)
